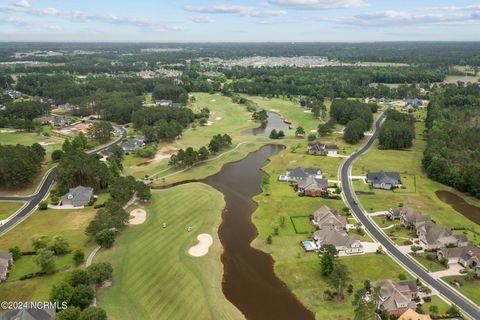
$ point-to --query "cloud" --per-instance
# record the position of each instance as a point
(203, 19)
(318, 4)
(24, 23)
(245, 11)
(24, 6)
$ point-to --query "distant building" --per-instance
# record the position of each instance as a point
(384, 180)
(413, 102)
(77, 197)
(54, 120)
(14, 94)
(29, 314)
(132, 145)
(322, 149)
(164, 103)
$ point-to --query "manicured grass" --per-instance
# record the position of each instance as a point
(431, 265)
(436, 301)
(69, 223)
(28, 138)
(302, 225)
(470, 289)
(298, 269)
(7, 208)
(154, 276)
(408, 163)
(227, 117)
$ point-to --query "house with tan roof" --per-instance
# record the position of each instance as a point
(339, 238)
(411, 314)
(325, 217)
(411, 218)
(6, 262)
(467, 256)
(312, 186)
(396, 297)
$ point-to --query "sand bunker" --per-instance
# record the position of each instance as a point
(46, 143)
(213, 100)
(204, 242)
(218, 118)
(8, 130)
(307, 111)
(138, 216)
(274, 110)
(209, 123)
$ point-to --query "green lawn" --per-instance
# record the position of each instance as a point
(470, 289)
(298, 269)
(154, 277)
(7, 208)
(69, 223)
(28, 138)
(421, 196)
(436, 301)
(431, 265)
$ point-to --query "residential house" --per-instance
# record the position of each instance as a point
(433, 238)
(46, 313)
(413, 102)
(325, 217)
(322, 149)
(6, 262)
(77, 197)
(14, 94)
(67, 107)
(396, 297)
(299, 174)
(54, 120)
(384, 180)
(132, 145)
(411, 218)
(312, 186)
(164, 103)
(468, 256)
(411, 314)
(339, 238)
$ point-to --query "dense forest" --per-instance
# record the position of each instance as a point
(452, 155)
(398, 131)
(355, 115)
(20, 164)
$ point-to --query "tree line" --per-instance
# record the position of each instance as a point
(19, 164)
(398, 131)
(355, 115)
(189, 156)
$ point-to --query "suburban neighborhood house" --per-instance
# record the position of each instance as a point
(77, 197)
(6, 262)
(322, 149)
(164, 103)
(132, 145)
(408, 217)
(411, 314)
(396, 297)
(312, 186)
(467, 256)
(384, 180)
(433, 238)
(332, 230)
(299, 174)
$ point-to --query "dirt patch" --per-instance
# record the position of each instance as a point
(137, 216)
(163, 153)
(204, 242)
(74, 129)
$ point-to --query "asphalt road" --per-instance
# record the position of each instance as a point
(469, 309)
(42, 191)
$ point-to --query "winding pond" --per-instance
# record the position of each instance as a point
(459, 204)
(249, 281)
(274, 122)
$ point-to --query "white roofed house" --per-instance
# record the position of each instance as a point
(77, 197)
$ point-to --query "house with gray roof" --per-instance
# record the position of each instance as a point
(409, 217)
(339, 238)
(433, 238)
(299, 174)
(77, 197)
(384, 180)
(322, 149)
(164, 103)
(29, 314)
(132, 145)
(468, 256)
(6, 262)
(324, 217)
(312, 186)
(396, 297)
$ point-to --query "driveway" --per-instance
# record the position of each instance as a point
(453, 270)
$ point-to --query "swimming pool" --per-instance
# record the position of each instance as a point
(309, 245)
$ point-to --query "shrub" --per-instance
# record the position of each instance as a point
(43, 205)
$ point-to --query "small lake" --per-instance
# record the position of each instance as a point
(274, 122)
(456, 202)
(249, 280)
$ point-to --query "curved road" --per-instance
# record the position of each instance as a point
(467, 307)
(41, 192)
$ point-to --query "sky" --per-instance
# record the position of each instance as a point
(239, 20)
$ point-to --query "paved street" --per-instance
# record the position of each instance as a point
(468, 308)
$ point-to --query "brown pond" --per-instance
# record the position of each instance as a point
(274, 122)
(249, 281)
(470, 211)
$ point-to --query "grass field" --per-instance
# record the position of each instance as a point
(7, 208)
(408, 164)
(69, 223)
(154, 277)
(298, 269)
(469, 288)
(28, 138)
(432, 266)
(436, 301)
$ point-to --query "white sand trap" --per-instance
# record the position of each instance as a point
(8, 130)
(307, 111)
(46, 143)
(209, 123)
(274, 110)
(165, 152)
(218, 118)
(138, 216)
(213, 100)
(204, 242)
(313, 131)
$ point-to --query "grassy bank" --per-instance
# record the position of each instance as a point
(7, 208)
(154, 276)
